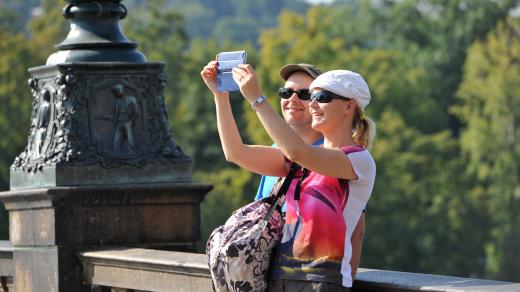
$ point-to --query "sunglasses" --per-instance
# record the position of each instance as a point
(326, 96)
(286, 93)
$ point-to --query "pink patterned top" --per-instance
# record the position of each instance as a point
(316, 237)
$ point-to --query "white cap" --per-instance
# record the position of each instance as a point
(345, 83)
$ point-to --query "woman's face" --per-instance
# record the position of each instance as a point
(294, 110)
(327, 116)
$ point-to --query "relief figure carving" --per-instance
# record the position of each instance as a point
(125, 116)
(42, 122)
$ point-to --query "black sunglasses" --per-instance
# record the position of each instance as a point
(326, 96)
(286, 93)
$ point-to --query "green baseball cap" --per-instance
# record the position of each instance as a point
(289, 69)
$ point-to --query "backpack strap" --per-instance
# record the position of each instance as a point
(283, 189)
(297, 190)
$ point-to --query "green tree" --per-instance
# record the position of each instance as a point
(456, 25)
(18, 54)
(435, 34)
(420, 217)
(16, 103)
(47, 30)
(229, 20)
(22, 10)
(398, 79)
(490, 108)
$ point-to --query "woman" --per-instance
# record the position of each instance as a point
(315, 250)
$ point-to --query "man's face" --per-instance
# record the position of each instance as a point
(294, 110)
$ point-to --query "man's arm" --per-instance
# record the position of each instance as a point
(357, 243)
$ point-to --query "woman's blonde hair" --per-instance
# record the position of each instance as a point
(363, 129)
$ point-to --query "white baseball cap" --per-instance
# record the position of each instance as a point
(345, 83)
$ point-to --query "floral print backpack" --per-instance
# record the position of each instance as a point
(239, 251)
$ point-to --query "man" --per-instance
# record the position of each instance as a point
(294, 102)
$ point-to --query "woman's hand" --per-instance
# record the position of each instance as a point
(245, 77)
(209, 75)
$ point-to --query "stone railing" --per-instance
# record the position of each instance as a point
(6, 266)
(155, 270)
(135, 269)
(146, 270)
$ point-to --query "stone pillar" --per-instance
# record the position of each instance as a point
(50, 226)
(100, 168)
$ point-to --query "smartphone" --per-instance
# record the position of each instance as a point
(226, 62)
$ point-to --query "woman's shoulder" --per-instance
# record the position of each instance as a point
(352, 149)
(358, 154)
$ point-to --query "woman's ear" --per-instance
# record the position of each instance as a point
(350, 107)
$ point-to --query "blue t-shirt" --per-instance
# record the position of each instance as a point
(268, 182)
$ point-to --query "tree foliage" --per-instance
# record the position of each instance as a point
(227, 20)
(490, 108)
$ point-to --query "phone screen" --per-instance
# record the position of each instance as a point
(226, 62)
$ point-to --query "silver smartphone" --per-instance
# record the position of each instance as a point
(226, 62)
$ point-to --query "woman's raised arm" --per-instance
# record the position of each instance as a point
(264, 160)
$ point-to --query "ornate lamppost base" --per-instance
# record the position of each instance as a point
(100, 168)
(99, 123)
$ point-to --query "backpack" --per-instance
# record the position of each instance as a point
(239, 252)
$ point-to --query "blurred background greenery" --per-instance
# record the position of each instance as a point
(445, 81)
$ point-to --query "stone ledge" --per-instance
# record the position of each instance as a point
(155, 270)
(147, 270)
(6, 266)
(158, 260)
(381, 280)
(114, 195)
(6, 258)
(96, 175)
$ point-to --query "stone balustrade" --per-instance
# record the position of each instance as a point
(6, 266)
(154, 270)
(137, 269)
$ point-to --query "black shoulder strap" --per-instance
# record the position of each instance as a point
(287, 181)
(305, 172)
(283, 189)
